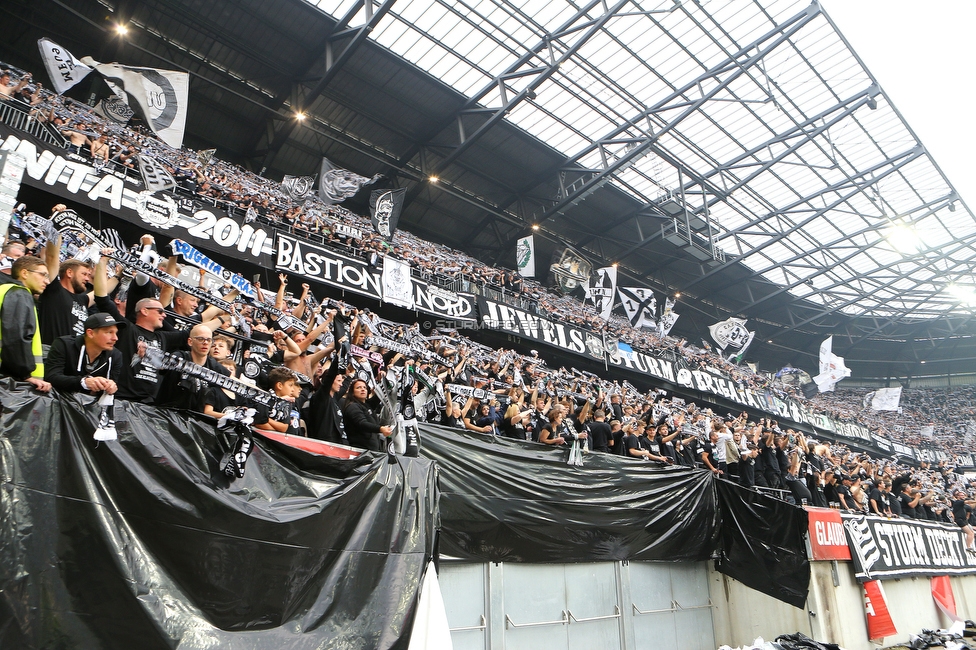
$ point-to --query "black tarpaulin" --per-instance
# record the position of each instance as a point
(506, 500)
(141, 543)
(762, 543)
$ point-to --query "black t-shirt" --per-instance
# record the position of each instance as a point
(894, 503)
(830, 493)
(599, 434)
(61, 312)
(537, 422)
(906, 509)
(515, 431)
(876, 496)
(960, 512)
(181, 390)
(174, 321)
(708, 449)
(135, 293)
(631, 441)
(843, 490)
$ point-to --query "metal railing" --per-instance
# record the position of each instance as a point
(18, 115)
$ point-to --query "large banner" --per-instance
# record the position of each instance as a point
(500, 316)
(317, 263)
(899, 548)
(200, 224)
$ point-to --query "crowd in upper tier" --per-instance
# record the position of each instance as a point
(104, 142)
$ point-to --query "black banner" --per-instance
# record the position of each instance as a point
(899, 548)
(126, 198)
(512, 501)
(317, 263)
(143, 543)
(506, 318)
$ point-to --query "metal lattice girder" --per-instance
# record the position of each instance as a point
(733, 67)
(333, 65)
(827, 246)
(885, 168)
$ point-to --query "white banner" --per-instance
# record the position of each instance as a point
(886, 399)
(154, 174)
(64, 69)
(668, 318)
(602, 290)
(639, 304)
(161, 95)
(397, 287)
(832, 368)
(525, 256)
(731, 331)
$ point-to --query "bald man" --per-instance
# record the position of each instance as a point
(179, 390)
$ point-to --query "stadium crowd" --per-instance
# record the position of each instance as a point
(96, 321)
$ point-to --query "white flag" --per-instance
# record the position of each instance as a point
(161, 95)
(64, 69)
(730, 332)
(668, 318)
(886, 399)
(397, 287)
(640, 305)
(525, 256)
(154, 174)
(832, 368)
(601, 290)
(927, 432)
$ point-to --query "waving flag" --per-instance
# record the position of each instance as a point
(640, 305)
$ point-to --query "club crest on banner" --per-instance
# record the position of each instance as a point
(159, 211)
(570, 270)
(601, 290)
(730, 332)
(639, 304)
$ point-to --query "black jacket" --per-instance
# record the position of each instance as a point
(65, 364)
(362, 427)
(17, 325)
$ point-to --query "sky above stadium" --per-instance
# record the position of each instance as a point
(922, 54)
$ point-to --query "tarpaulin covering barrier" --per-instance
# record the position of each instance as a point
(142, 543)
(759, 546)
(512, 501)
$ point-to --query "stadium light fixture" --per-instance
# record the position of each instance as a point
(677, 294)
(614, 265)
(300, 116)
(121, 29)
(965, 295)
(903, 238)
(535, 226)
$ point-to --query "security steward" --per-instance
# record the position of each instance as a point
(21, 355)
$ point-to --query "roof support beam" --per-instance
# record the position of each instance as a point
(728, 71)
(885, 168)
(942, 202)
(333, 65)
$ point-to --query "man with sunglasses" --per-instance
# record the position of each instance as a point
(178, 389)
(140, 381)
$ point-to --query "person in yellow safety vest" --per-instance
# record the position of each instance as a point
(21, 355)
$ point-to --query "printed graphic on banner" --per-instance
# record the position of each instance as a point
(884, 399)
(898, 548)
(832, 368)
(827, 538)
(114, 108)
(154, 174)
(525, 256)
(668, 318)
(601, 290)
(298, 188)
(384, 210)
(120, 197)
(639, 304)
(161, 95)
(337, 185)
(570, 270)
(731, 332)
(397, 287)
(64, 70)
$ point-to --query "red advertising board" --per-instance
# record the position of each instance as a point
(827, 538)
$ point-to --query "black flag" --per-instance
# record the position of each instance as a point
(384, 210)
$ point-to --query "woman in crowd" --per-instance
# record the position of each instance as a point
(363, 427)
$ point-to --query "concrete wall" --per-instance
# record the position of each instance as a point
(835, 608)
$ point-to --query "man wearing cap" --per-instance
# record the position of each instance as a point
(88, 362)
(844, 494)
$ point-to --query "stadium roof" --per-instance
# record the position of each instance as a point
(736, 152)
